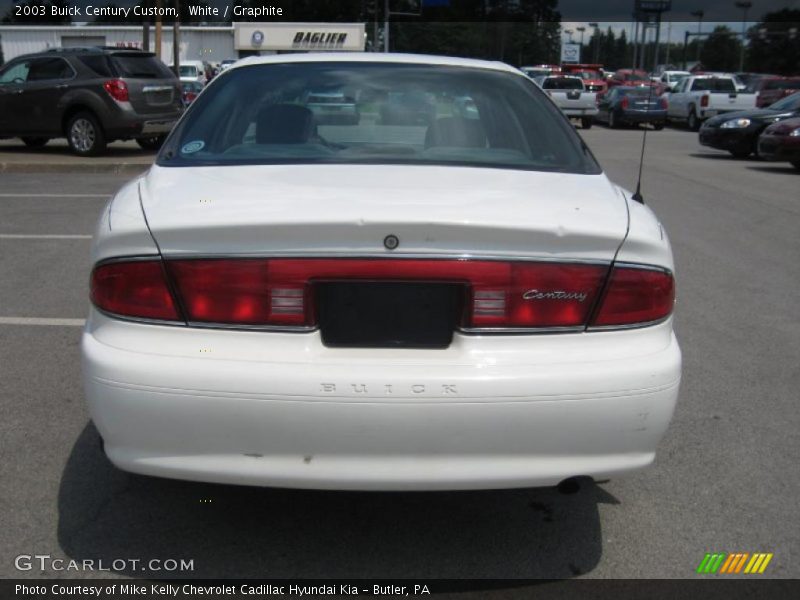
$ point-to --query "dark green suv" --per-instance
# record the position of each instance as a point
(91, 96)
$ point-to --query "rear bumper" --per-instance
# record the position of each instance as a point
(282, 410)
(643, 116)
(580, 112)
(129, 124)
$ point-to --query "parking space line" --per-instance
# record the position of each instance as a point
(26, 195)
(49, 236)
(42, 321)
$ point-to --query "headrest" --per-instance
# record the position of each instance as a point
(284, 124)
(456, 131)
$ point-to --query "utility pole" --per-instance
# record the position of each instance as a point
(745, 6)
(176, 40)
(158, 29)
(595, 43)
(145, 31)
(699, 14)
(669, 42)
(581, 30)
(635, 40)
(386, 25)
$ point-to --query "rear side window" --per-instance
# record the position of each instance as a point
(140, 66)
(44, 69)
(99, 64)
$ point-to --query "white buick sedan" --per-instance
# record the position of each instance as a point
(426, 299)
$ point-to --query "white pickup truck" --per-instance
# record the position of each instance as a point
(702, 96)
(570, 95)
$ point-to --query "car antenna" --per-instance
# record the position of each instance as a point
(637, 195)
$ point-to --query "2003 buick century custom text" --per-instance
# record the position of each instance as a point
(455, 299)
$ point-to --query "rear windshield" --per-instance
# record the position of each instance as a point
(562, 83)
(140, 66)
(713, 85)
(188, 71)
(634, 77)
(400, 114)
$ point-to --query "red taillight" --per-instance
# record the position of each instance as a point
(664, 103)
(133, 289)
(625, 102)
(117, 89)
(704, 101)
(280, 292)
(636, 295)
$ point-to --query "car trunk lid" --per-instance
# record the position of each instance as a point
(324, 209)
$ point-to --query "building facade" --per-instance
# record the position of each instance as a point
(212, 44)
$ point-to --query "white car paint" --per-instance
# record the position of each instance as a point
(283, 409)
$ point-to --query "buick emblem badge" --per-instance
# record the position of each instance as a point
(391, 242)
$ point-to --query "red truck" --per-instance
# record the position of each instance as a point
(592, 76)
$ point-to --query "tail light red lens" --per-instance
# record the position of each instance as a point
(636, 295)
(625, 102)
(280, 292)
(117, 89)
(664, 103)
(704, 101)
(133, 289)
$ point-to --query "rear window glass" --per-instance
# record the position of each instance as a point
(713, 85)
(397, 114)
(140, 66)
(98, 63)
(188, 71)
(562, 83)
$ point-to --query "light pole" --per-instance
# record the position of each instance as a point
(595, 42)
(580, 55)
(699, 14)
(569, 32)
(745, 6)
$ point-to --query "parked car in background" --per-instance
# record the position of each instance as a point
(408, 108)
(702, 96)
(91, 96)
(781, 142)
(624, 105)
(226, 63)
(332, 107)
(631, 78)
(540, 70)
(471, 305)
(774, 89)
(191, 89)
(738, 132)
(591, 75)
(192, 70)
(670, 79)
(570, 95)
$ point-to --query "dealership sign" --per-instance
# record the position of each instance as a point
(570, 53)
(299, 36)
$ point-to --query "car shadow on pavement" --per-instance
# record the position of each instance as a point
(60, 148)
(719, 156)
(246, 532)
(776, 168)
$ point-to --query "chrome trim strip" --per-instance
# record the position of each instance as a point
(393, 255)
(630, 326)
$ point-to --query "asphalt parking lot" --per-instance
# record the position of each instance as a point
(726, 478)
